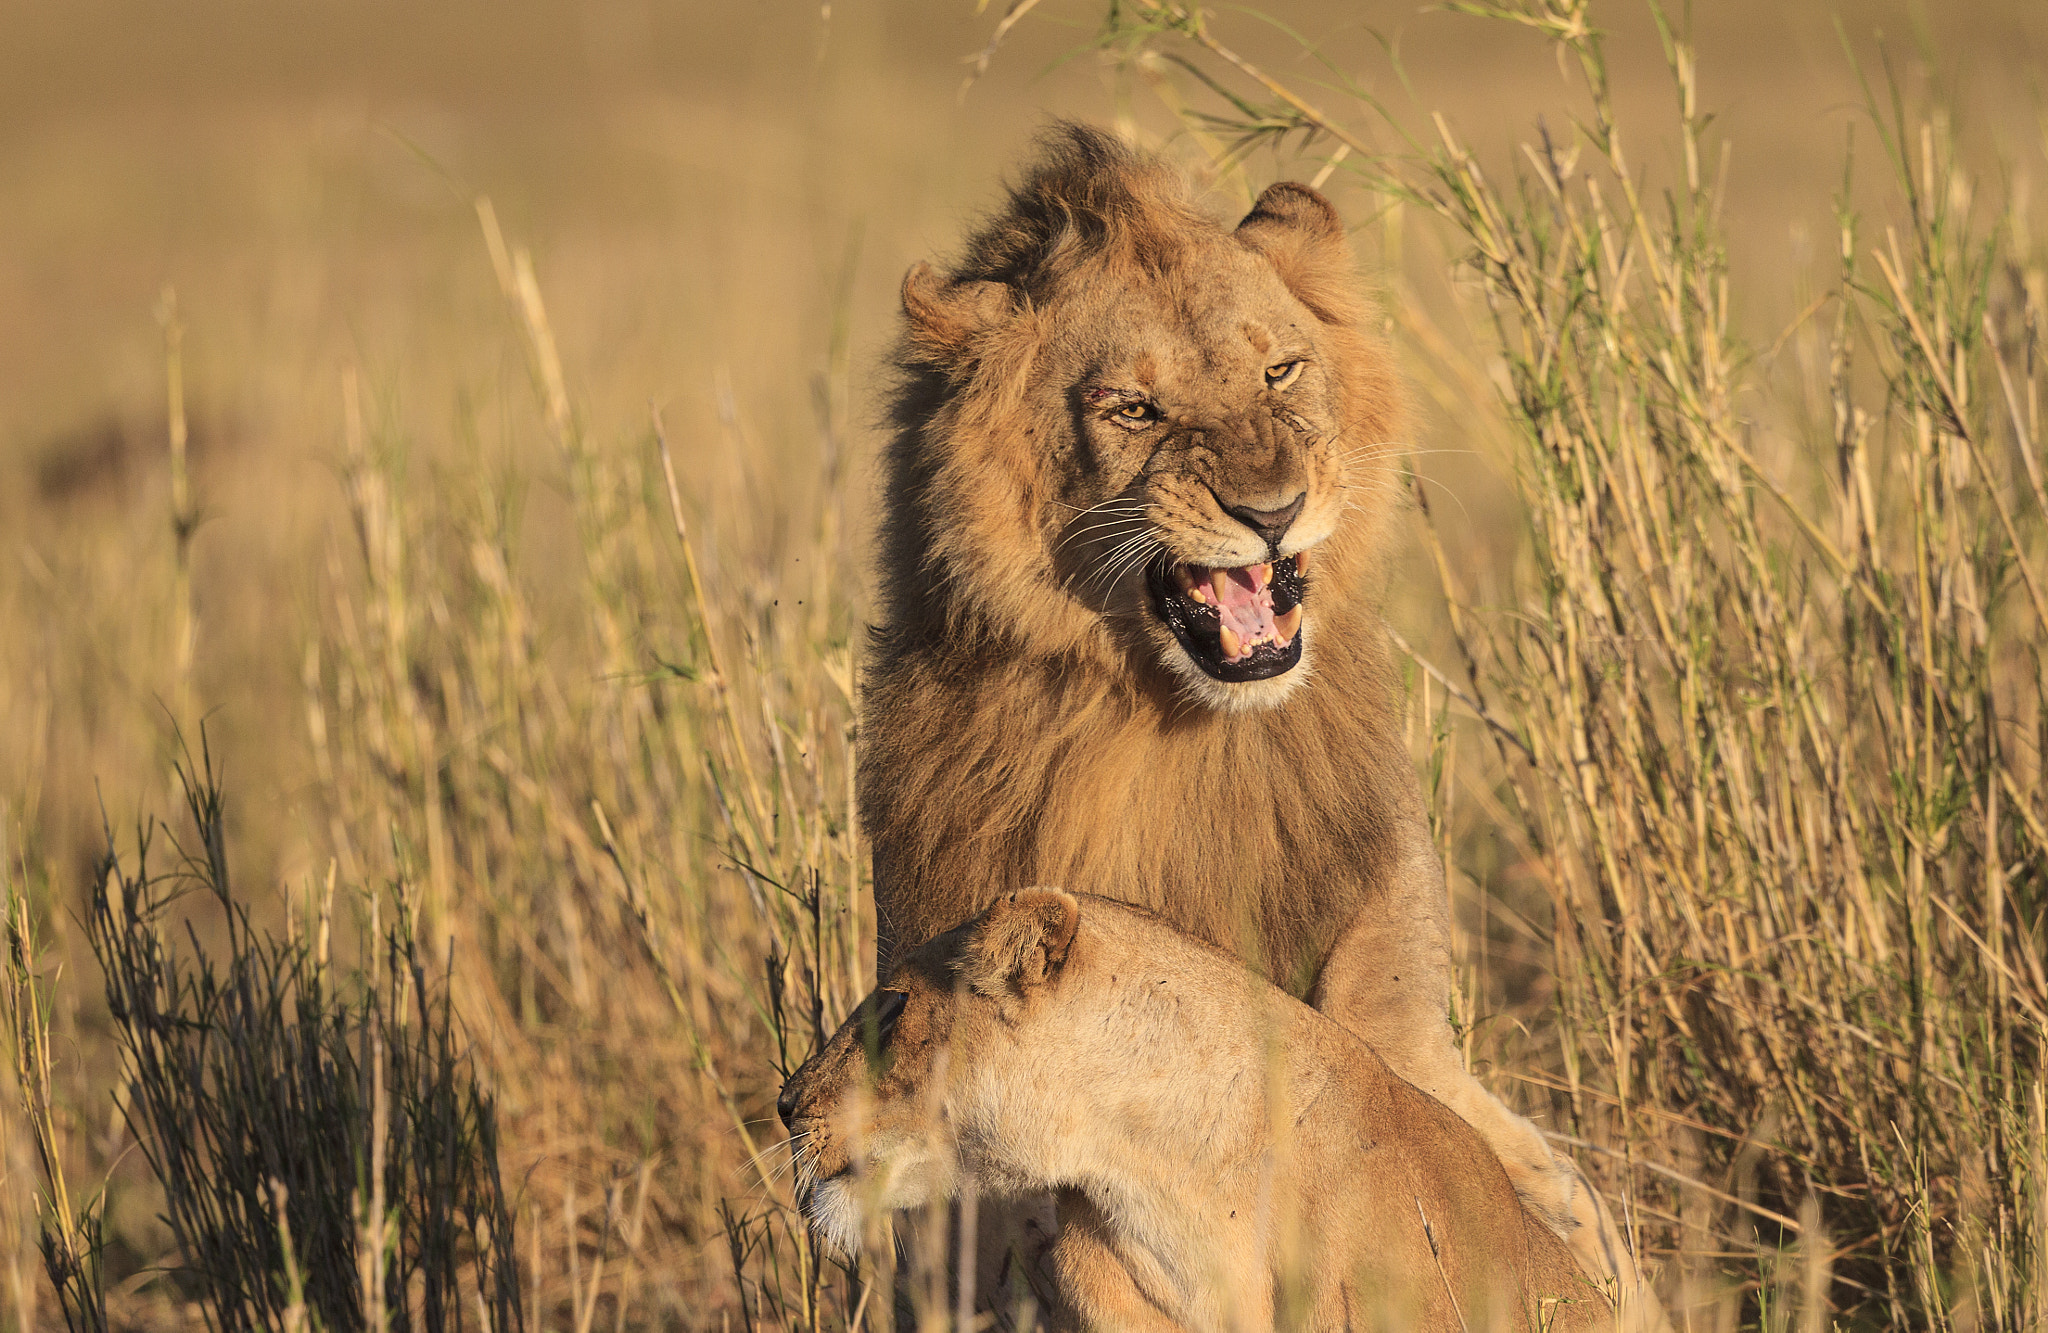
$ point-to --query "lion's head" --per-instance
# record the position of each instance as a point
(1134, 434)
(910, 1091)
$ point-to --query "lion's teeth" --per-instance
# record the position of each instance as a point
(1219, 584)
(1301, 562)
(1261, 576)
(1230, 642)
(1287, 624)
(1199, 593)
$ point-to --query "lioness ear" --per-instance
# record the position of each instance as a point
(1020, 941)
(1300, 234)
(946, 318)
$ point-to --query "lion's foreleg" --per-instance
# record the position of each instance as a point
(1388, 980)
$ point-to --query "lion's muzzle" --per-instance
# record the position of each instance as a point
(1236, 623)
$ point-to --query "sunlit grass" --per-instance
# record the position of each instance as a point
(1749, 845)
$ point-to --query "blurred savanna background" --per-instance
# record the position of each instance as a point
(444, 435)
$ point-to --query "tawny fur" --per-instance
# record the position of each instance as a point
(1225, 1157)
(1027, 717)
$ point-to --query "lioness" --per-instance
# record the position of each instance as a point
(1128, 633)
(1226, 1154)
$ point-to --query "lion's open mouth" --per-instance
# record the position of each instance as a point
(1238, 624)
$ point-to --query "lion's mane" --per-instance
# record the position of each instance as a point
(1010, 736)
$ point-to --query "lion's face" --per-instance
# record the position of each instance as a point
(1155, 427)
(866, 1114)
(1205, 468)
(895, 1107)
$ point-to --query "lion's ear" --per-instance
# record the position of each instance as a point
(947, 318)
(1020, 942)
(1299, 233)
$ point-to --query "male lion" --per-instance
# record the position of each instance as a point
(1128, 636)
(1237, 1160)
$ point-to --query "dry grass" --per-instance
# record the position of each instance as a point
(1751, 858)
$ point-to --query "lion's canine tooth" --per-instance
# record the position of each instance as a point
(1228, 636)
(1199, 593)
(1261, 576)
(1287, 624)
(1219, 583)
(1301, 562)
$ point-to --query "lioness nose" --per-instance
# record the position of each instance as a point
(785, 1105)
(1271, 524)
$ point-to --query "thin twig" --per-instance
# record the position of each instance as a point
(1477, 709)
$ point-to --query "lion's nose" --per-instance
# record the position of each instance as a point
(785, 1105)
(1271, 524)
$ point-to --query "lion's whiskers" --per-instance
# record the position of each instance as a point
(1112, 526)
(802, 1161)
(1137, 560)
(1382, 486)
(1128, 504)
(769, 1177)
(1119, 497)
(1121, 511)
(1120, 560)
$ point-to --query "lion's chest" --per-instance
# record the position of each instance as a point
(1268, 848)
(1231, 854)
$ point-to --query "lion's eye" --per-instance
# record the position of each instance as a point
(1137, 412)
(1284, 374)
(888, 1008)
(877, 1017)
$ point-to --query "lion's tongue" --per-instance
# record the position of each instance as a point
(1244, 603)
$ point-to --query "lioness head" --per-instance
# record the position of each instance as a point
(904, 1097)
(1135, 434)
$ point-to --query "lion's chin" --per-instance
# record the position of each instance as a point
(1240, 696)
(833, 1209)
(1240, 629)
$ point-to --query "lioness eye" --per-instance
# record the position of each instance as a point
(877, 1017)
(888, 1008)
(1137, 411)
(1284, 374)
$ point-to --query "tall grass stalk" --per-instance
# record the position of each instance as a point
(646, 853)
(69, 1232)
(184, 513)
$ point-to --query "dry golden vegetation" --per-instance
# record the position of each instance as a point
(466, 418)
